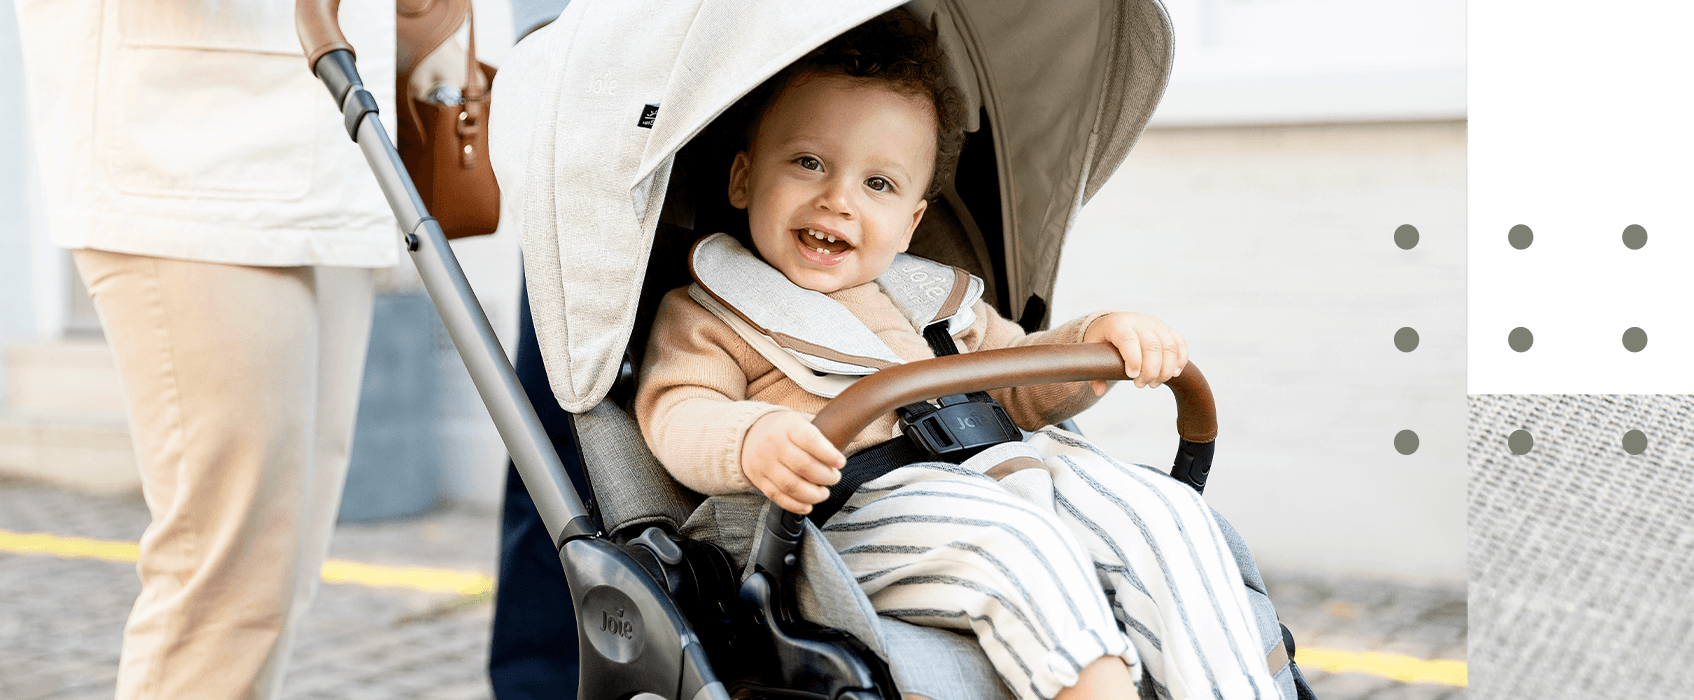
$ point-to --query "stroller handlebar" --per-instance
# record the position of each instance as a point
(319, 27)
(875, 395)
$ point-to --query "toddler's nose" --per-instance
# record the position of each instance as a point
(836, 198)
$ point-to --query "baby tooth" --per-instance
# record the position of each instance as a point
(832, 238)
(823, 252)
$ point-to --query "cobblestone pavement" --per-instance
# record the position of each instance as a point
(1353, 615)
(61, 619)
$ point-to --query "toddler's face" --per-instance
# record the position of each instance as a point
(834, 183)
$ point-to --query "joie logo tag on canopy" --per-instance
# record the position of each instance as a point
(648, 114)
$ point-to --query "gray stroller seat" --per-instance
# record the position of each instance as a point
(634, 492)
(638, 493)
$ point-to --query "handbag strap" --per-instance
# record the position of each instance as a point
(475, 93)
(422, 26)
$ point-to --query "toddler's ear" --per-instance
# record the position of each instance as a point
(917, 216)
(738, 172)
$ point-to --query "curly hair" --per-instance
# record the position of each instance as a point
(894, 49)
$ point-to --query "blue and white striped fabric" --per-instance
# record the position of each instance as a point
(1056, 566)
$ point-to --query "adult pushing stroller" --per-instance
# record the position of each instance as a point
(593, 135)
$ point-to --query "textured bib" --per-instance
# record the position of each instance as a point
(812, 338)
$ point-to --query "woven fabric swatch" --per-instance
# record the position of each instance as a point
(1581, 554)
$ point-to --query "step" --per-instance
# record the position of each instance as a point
(87, 453)
(69, 376)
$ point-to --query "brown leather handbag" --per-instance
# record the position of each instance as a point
(445, 146)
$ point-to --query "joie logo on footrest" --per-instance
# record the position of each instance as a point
(616, 624)
(612, 624)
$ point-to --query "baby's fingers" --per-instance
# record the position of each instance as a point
(1153, 362)
(1180, 347)
(786, 502)
(1130, 348)
(1181, 360)
(815, 472)
(792, 492)
(807, 438)
(1172, 356)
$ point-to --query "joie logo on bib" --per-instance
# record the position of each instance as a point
(932, 285)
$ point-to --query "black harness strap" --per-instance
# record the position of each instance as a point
(879, 459)
(865, 466)
(941, 343)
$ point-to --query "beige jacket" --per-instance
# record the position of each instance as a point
(702, 386)
(194, 131)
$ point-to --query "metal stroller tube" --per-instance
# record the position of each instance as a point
(331, 58)
(653, 649)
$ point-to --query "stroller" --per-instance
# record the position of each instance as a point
(733, 597)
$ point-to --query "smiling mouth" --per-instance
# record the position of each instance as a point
(820, 243)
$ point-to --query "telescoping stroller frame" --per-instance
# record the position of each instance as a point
(664, 616)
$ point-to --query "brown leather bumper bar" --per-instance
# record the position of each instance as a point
(876, 395)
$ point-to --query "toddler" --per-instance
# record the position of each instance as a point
(1076, 572)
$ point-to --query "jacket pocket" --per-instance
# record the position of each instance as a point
(207, 100)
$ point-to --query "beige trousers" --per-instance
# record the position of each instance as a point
(242, 386)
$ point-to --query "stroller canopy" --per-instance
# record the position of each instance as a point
(590, 112)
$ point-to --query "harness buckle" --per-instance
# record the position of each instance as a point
(959, 427)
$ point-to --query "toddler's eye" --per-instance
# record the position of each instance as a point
(879, 184)
(809, 163)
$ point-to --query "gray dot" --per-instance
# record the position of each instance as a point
(1520, 339)
(1520, 236)
(1406, 442)
(1635, 442)
(1406, 339)
(1407, 237)
(1520, 441)
(1634, 339)
(1634, 236)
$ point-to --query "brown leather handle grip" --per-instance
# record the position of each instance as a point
(319, 26)
(872, 397)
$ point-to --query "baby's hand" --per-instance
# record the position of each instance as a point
(788, 459)
(1152, 352)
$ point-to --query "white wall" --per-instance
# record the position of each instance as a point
(1299, 61)
(1271, 249)
(1257, 217)
(17, 317)
(33, 274)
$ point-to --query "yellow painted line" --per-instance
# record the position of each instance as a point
(1399, 667)
(1405, 669)
(418, 578)
(67, 547)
